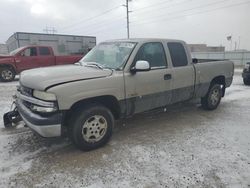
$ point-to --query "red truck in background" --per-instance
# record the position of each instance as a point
(29, 57)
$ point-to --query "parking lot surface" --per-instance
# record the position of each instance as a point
(180, 146)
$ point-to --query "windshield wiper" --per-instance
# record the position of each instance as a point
(89, 64)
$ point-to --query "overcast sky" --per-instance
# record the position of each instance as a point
(195, 21)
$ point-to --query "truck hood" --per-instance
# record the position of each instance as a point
(42, 78)
(7, 59)
(5, 56)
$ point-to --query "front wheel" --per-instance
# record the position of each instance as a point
(7, 74)
(92, 127)
(246, 81)
(212, 98)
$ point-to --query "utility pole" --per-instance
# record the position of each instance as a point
(50, 30)
(127, 18)
(239, 43)
(127, 9)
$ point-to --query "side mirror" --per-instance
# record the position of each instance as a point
(140, 66)
(195, 60)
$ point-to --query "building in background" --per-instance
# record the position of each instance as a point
(240, 57)
(3, 49)
(61, 44)
(202, 51)
(205, 48)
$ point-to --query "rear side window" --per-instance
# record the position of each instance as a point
(178, 54)
(153, 53)
(44, 51)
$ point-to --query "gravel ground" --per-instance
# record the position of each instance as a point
(182, 147)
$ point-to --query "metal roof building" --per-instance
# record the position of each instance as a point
(61, 44)
(205, 48)
(3, 49)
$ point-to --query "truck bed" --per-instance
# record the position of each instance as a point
(207, 70)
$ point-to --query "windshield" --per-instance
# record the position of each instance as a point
(109, 54)
(14, 52)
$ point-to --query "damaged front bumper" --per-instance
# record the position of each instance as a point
(46, 125)
(11, 118)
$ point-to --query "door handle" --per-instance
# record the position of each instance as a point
(167, 76)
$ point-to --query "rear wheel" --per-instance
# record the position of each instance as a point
(7, 74)
(246, 81)
(212, 98)
(92, 127)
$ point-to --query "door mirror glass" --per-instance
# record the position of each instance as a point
(195, 60)
(141, 66)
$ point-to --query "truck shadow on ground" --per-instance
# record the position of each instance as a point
(147, 129)
(134, 129)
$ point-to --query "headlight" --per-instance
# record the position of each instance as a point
(43, 109)
(44, 95)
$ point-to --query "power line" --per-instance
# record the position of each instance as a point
(193, 8)
(103, 31)
(98, 24)
(92, 18)
(154, 5)
(228, 6)
(105, 24)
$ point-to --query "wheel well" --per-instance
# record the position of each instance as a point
(108, 101)
(7, 65)
(220, 80)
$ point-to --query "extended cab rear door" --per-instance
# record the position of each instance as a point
(46, 57)
(151, 89)
(183, 74)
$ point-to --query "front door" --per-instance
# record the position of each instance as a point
(27, 59)
(150, 89)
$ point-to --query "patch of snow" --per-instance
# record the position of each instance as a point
(187, 147)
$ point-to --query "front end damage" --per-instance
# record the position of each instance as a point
(12, 118)
(41, 116)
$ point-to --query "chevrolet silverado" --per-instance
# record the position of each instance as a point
(116, 79)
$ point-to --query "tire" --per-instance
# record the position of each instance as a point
(212, 98)
(246, 81)
(91, 127)
(7, 74)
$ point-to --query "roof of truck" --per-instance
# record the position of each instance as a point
(145, 40)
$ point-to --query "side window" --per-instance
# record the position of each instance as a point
(44, 51)
(30, 52)
(178, 54)
(153, 53)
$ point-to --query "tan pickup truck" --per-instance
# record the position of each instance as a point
(116, 79)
